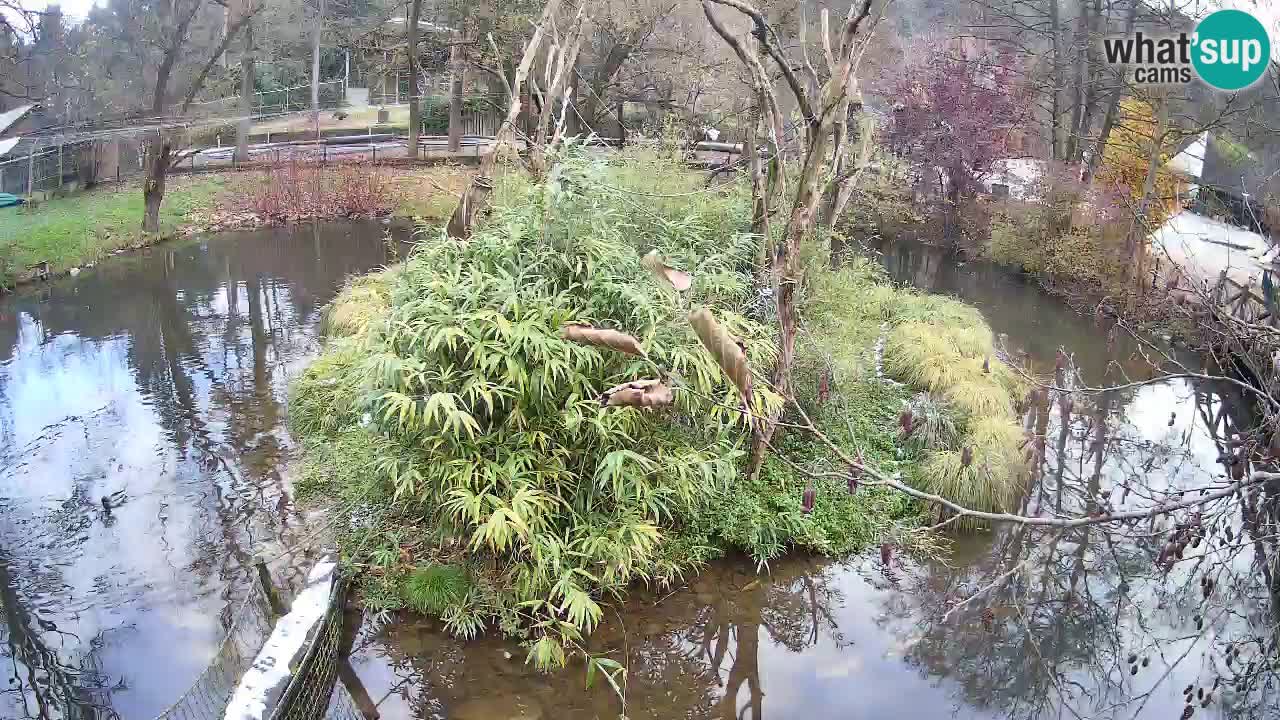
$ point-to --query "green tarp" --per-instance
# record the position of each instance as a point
(7, 200)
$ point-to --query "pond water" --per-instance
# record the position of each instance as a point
(142, 458)
(157, 381)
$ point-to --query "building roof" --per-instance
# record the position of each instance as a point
(1190, 162)
(8, 144)
(7, 119)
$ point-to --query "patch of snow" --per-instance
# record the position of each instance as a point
(1205, 247)
(7, 144)
(13, 116)
(264, 683)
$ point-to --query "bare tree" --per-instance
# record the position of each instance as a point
(173, 24)
(821, 112)
(475, 199)
(559, 67)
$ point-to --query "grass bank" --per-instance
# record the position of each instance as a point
(492, 487)
(84, 227)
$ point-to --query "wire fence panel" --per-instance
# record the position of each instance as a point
(76, 164)
(268, 103)
(342, 706)
(207, 697)
(309, 694)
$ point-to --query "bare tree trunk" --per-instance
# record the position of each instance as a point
(315, 69)
(457, 71)
(246, 98)
(157, 170)
(1074, 131)
(1055, 120)
(1136, 246)
(572, 124)
(789, 273)
(415, 116)
(1113, 107)
(1090, 100)
(759, 193)
(475, 199)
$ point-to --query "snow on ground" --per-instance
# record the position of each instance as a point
(1204, 247)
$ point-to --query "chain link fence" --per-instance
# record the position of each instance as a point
(207, 697)
(54, 165)
(268, 103)
(310, 694)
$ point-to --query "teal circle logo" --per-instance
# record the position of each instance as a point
(1231, 51)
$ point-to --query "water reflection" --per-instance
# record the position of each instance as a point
(1011, 624)
(141, 457)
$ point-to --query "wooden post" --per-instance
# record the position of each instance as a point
(264, 579)
(61, 174)
(31, 170)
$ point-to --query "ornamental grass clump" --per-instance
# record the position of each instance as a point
(944, 348)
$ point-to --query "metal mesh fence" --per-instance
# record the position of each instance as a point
(207, 697)
(269, 103)
(310, 693)
(342, 706)
(52, 166)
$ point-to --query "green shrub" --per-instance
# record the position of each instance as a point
(468, 435)
(494, 434)
(436, 588)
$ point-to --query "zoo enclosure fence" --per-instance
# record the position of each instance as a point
(314, 692)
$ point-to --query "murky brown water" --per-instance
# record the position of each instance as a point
(154, 383)
(158, 381)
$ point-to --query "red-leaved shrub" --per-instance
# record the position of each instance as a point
(301, 190)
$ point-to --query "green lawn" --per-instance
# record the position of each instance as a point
(83, 227)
